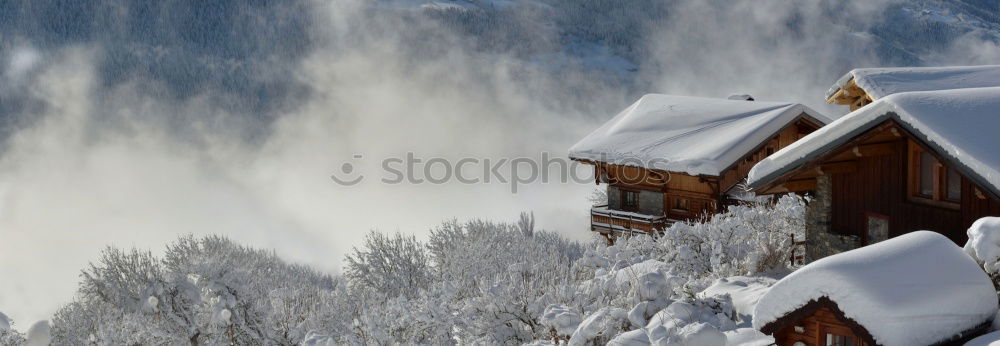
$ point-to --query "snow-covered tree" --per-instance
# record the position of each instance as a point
(599, 196)
(473, 282)
(390, 265)
(526, 223)
(204, 291)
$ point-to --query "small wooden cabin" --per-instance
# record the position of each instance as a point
(819, 322)
(667, 158)
(909, 161)
(881, 295)
(866, 85)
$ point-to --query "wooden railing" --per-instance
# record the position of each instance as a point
(609, 221)
(798, 256)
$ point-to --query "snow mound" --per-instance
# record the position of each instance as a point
(747, 337)
(882, 82)
(699, 334)
(631, 338)
(4, 322)
(606, 321)
(745, 292)
(650, 279)
(915, 289)
(693, 135)
(40, 334)
(317, 339)
(682, 323)
(984, 243)
(959, 124)
(563, 319)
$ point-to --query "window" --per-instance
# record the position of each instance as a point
(954, 185)
(837, 335)
(838, 340)
(931, 181)
(681, 204)
(928, 166)
(630, 199)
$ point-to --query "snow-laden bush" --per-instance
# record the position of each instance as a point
(745, 239)
(9, 336)
(427, 319)
(984, 246)
(204, 291)
(504, 276)
(475, 282)
(464, 253)
(625, 252)
(643, 291)
(700, 322)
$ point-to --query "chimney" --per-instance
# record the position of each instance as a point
(742, 97)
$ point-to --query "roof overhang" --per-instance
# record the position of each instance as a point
(817, 154)
(850, 94)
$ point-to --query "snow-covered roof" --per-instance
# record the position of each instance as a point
(693, 135)
(882, 82)
(960, 125)
(915, 289)
(989, 339)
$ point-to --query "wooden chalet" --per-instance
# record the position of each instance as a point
(667, 158)
(909, 161)
(866, 85)
(917, 289)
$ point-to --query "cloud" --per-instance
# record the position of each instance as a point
(121, 165)
(22, 60)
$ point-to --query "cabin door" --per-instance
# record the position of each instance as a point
(877, 227)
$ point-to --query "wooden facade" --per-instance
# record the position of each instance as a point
(818, 323)
(822, 323)
(646, 200)
(876, 178)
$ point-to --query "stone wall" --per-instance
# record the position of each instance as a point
(614, 198)
(651, 202)
(820, 242)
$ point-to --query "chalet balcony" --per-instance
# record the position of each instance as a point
(610, 222)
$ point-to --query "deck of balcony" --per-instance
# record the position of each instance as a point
(613, 222)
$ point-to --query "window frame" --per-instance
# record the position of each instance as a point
(624, 193)
(828, 329)
(946, 195)
(677, 201)
(939, 196)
